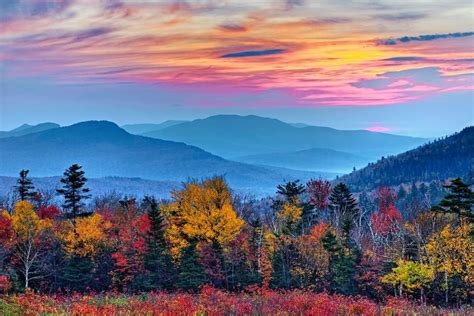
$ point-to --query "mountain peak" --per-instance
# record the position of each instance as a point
(95, 124)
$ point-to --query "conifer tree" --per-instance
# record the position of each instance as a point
(343, 207)
(191, 272)
(158, 261)
(291, 190)
(459, 201)
(74, 192)
(77, 273)
(25, 186)
(342, 264)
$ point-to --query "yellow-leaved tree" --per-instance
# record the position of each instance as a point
(28, 231)
(203, 211)
(452, 253)
(88, 238)
(288, 218)
(410, 276)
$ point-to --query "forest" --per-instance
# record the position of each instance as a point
(314, 248)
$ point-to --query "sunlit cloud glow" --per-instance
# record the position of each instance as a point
(316, 54)
(378, 129)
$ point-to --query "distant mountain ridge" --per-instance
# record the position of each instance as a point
(231, 136)
(26, 129)
(149, 127)
(450, 157)
(104, 150)
(310, 159)
(101, 186)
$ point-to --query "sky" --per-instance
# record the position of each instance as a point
(402, 67)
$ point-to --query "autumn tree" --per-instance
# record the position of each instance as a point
(129, 230)
(318, 194)
(410, 276)
(451, 252)
(29, 247)
(312, 264)
(25, 186)
(83, 244)
(74, 192)
(259, 250)
(203, 212)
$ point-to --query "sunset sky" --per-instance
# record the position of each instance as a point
(404, 67)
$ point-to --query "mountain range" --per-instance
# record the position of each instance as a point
(233, 136)
(104, 149)
(449, 157)
(28, 129)
(270, 142)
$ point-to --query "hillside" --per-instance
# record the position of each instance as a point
(26, 129)
(310, 159)
(233, 136)
(450, 157)
(104, 150)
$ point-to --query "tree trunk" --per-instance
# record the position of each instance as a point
(446, 298)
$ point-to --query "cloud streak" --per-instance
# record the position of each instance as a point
(254, 53)
(429, 37)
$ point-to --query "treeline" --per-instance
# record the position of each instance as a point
(438, 160)
(315, 236)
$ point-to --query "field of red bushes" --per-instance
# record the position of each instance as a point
(212, 302)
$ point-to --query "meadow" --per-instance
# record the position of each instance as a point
(211, 301)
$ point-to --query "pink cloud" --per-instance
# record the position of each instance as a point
(378, 129)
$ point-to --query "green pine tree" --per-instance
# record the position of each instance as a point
(191, 273)
(158, 261)
(291, 190)
(77, 274)
(342, 264)
(74, 192)
(459, 201)
(343, 208)
(25, 186)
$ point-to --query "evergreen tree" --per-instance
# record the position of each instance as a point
(25, 186)
(282, 263)
(158, 261)
(77, 274)
(191, 272)
(343, 207)
(291, 190)
(459, 201)
(74, 192)
(342, 264)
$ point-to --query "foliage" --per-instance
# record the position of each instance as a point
(87, 238)
(355, 244)
(211, 301)
(410, 275)
(204, 211)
